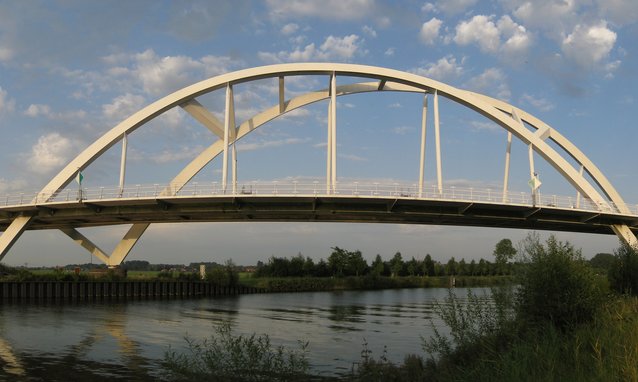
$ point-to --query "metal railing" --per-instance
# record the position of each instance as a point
(315, 188)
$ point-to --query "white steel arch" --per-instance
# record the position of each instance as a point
(512, 119)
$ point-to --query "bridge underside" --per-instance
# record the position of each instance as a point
(313, 209)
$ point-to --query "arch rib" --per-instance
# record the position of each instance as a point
(212, 151)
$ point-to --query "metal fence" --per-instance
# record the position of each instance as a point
(315, 188)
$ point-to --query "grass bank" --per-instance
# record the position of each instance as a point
(605, 349)
(304, 284)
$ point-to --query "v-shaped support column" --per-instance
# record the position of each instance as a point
(120, 252)
(12, 233)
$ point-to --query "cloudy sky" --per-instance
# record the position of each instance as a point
(70, 70)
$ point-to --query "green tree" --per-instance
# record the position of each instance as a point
(308, 267)
(377, 267)
(322, 269)
(295, 266)
(338, 261)
(471, 269)
(603, 261)
(412, 266)
(396, 264)
(462, 268)
(503, 252)
(623, 274)
(451, 267)
(482, 269)
(357, 265)
(223, 275)
(557, 286)
(428, 266)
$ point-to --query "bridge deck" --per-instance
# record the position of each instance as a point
(315, 208)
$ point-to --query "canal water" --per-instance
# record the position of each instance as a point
(128, 339)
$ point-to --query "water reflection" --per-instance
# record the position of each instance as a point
(10, 363)
(127, 339)
(346, 313)
(95, 341)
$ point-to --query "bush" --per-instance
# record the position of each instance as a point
(223, 275)
(623, 274)
(556, 284)
(473, 324)
(228, 357)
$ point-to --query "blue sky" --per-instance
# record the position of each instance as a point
(71, 70)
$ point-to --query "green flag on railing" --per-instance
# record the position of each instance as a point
(79, 178)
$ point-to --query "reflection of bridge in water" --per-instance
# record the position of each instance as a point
(110, 326)
(596, 207)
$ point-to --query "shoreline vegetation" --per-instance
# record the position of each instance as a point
(564, 321)
(551, 316)
(343, 270)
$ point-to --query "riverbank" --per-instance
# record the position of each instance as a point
(605, 349)
(104, 289)
(368, 282)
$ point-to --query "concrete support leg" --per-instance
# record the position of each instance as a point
(625, 234)
(12, 233)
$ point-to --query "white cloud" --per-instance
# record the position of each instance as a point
(589, 45)
(163, 75)
(185, 153)
(484, 126)
(389, 52)
(395, 105)
(611, 67)
(491, 82)
(369, 31)
(540, 103)
(14, 185)
(430, 31)
(37, 110)
(51, 152)
(428, 7)
(333, 48)
(7, 104)
(340, 47)
(159, 76)
(488, 36)
(270, 144)
(550, 16)
(402, 130)
(352, 157)
(517, 38)
(289, 29)
(6, 54)
(326, 9)
(445, 68)
(122, 107)
(479, 30)
(619, 11)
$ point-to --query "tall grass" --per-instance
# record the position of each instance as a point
(605, 349)
(229, 357)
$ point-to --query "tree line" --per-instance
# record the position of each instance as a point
(343, 262)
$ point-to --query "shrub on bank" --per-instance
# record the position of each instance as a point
(229, 357)
(557, 285)
(623, 273)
